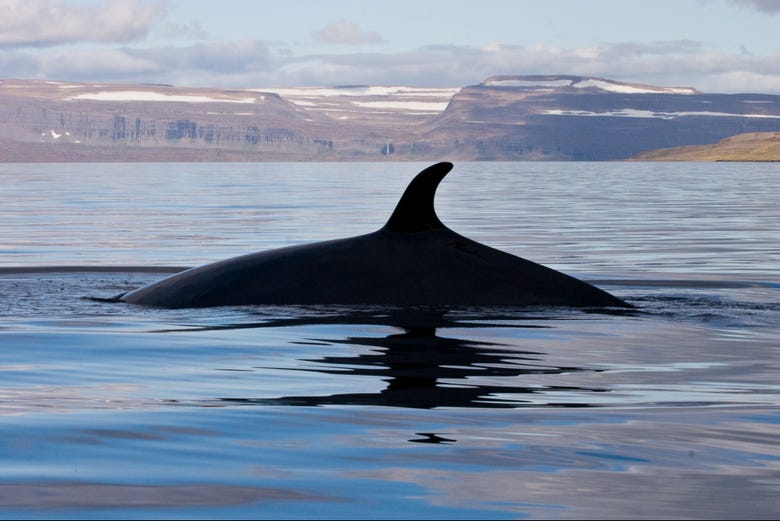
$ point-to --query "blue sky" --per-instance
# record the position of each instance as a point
(713, 45)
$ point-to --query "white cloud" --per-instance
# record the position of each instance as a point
(226, 64)
(190, 31)
(54, 22)
(100, 64)
(659, 48)
(253, 63)
(212, 59)
(346, 32)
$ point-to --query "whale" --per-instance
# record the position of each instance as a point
(413, 260)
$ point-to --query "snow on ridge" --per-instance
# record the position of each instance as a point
(545, 83)
(376, 99)
(360, 91)
(140, 95)
(636, 113)
(625, 88)
(519, 82)
(55, 135)
(410, 106)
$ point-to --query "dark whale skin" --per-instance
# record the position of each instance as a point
(414, 260)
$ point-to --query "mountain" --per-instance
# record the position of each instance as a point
(583, 118)
(113, 121)
(756, 146)
(554, 117)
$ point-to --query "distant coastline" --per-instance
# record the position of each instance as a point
(752, 147)
(504, 118)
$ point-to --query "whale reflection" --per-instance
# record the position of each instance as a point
(424, 370)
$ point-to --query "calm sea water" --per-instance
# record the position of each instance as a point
(114, 411)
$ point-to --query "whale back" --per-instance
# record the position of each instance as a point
(414, 259)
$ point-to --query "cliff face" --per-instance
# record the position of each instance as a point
(150, 118)
(576, 118)
(503, 118)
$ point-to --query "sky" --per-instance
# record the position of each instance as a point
(713, 45)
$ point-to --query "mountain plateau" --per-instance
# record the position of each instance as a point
(513, 118)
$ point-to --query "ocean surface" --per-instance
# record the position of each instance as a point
(111, 411)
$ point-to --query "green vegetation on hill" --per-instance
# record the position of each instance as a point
(752, 146)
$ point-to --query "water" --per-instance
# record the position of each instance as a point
(114, 411)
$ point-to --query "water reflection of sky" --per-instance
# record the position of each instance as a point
(340, 462)
(115, 411)
(585, 218)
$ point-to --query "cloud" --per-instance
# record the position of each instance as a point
(43, 23)
(346, 32)
(226, 64)
(19, 64)
(190, 31)
(212, 60)
(683, 64)
(665, 47)
(765, 6)
(256, 63)
(102, 64)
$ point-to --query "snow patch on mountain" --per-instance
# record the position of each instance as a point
(581, 82)
(141, 95)
(636, 113)
(363, 99)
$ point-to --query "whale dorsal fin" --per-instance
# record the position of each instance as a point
(415, 212)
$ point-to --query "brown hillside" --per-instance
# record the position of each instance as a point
(753, 146)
